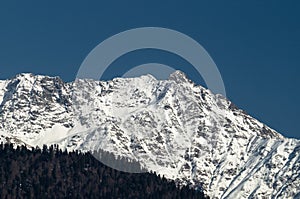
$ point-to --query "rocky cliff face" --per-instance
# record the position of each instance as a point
(173, 127)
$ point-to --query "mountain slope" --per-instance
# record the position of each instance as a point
(174, 127)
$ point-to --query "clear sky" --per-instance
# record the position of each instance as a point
(255, 44)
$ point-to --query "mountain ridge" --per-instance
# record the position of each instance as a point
(174, 127)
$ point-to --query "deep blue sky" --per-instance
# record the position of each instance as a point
(255, 45)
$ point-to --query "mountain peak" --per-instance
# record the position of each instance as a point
(24, 75)
(179, 77)
(28, 76)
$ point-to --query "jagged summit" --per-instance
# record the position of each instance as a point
(24, 75)
(30, 76)
(179, 130)
(179, 77)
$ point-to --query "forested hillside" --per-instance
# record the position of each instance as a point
(53, 173)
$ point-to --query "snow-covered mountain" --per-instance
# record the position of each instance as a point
(173, 127)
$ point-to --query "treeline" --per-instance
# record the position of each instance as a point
(52, 173)
(118, 163)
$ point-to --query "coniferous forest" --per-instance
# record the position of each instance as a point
(52, 173)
